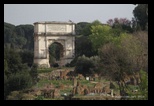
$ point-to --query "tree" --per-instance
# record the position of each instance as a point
(25, 32)
(82, 28)
(100, 34)
(27, 57)
(141, 15)
(83, 46)
(14, 61)
(8, 32)
(121, 25)
(124, 57)
(20, 37)
(21, 41)
(16, 74)
(126, 54)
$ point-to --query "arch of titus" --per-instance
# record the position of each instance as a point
(46, 33)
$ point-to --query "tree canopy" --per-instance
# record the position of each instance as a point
(141, 15)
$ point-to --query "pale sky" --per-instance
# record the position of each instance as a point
(29, 13)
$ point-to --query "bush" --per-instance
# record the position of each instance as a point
(55, 65)
(73, 62)
(142, 89)
(39, 97)
(27, 57)
(34, 73)
(68, 65)
(19, 81)
(86, 65)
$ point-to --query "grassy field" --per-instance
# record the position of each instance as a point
(46, 70)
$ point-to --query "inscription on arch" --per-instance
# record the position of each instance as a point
(56, 28)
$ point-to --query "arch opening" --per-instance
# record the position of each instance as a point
(56, 53)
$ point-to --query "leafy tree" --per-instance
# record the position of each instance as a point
(26, 34)
(136, 46)
(9, 35)
(125, 56)
(27, 57)
(21, 41)
(141, 15)
(20, 37)
(100, 35)
(86, 30)
(112, 61)
(83, 46)
(82, 28)
(121, 25)
(14, 61)
(16, 74)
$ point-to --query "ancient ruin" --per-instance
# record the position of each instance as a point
(47, 33)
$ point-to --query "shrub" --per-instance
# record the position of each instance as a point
(68, 65)
(142, 89)
(34, 73)
(55, 65)
(19, 81)
(86, 65)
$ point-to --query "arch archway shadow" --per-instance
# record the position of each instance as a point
(56, 54)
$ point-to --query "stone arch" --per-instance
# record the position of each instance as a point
(47, 33)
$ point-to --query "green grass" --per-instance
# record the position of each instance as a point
(56, 83)
(67, 90)
(87, 83)
(42, 83)
(45, 70)
(65, 82)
